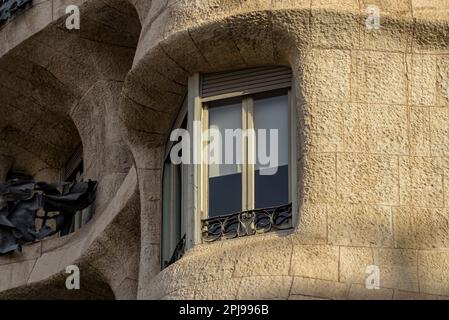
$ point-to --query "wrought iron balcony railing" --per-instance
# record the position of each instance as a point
(238, 225)
(24, 203)
(10, 7)
(247, 223)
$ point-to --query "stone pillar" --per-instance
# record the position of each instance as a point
(5, 166)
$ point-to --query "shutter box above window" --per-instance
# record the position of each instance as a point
(246, 81)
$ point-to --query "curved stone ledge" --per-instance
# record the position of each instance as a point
(338, 17)
(281, 266)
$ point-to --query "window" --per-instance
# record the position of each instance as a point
(74, 172)
(242, 128)
(254, 192)
(238, 185)
(271, 112)
(225, 180)
(245, 187)
(173, 198)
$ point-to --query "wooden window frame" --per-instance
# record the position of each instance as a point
(197, 173)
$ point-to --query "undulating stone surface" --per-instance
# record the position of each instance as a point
(372, 144)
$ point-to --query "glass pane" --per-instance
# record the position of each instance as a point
(172, 202)
(271, 169)
(177, 204)
(171, 211)
(225, 179)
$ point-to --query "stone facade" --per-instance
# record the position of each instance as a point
(372, 137)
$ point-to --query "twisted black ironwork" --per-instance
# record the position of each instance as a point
(22, 201)
(178, 252)
(9, 7)
(247, 223)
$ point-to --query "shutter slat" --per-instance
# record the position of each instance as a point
(250, 83)
(253, 89)
(225, 74)
(247, 81)
(207, 80)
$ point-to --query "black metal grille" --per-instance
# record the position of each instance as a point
(247, 223)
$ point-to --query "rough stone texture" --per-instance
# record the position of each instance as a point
(423, 74)
(359, 292)
(421, 181)
(312, 227)
(319, 288)
(349, 127)
(398, 268)
(420, 139)
(421, 228)
(271, 287)
(368, 179)
(373, 74)
(218, 290)
(404, 295)
(5, 166)
(433, 271)
(438, 132)
(373, 142)
(251, 263)
(353, 264)
(360, 225)
(323, 258)
(321, 65)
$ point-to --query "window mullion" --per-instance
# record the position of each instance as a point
(204, 164)
(194, 195)
(251, 153)
(244, 155)
(248, 154)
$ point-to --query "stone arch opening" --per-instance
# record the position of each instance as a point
(74, 79)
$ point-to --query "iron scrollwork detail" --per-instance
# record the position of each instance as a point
(247, 223)
(9, 7)
(24, 203)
